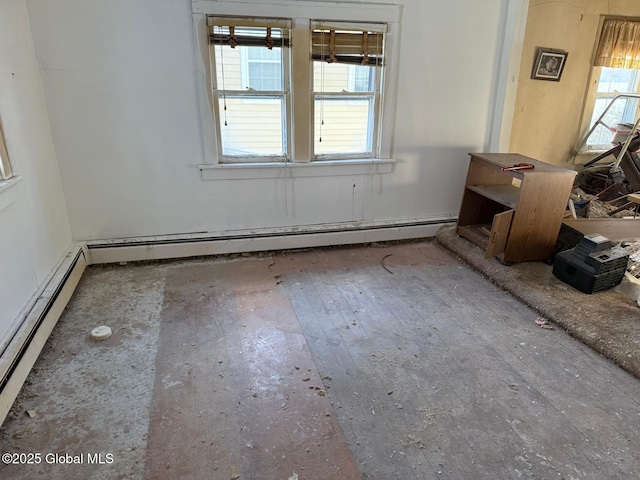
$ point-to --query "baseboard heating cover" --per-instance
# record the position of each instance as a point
(193, 245)
(23, 349)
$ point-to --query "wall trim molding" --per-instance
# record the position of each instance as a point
(243, 171)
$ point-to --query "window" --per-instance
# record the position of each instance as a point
(347, 72)
(617, 68)
(337, 92)
(5, 166)
(612, 82)
(250, 88)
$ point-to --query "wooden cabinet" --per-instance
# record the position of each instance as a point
(513, 215)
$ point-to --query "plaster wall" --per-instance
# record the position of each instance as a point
(120, 84)
(548, 119)
(34, 228)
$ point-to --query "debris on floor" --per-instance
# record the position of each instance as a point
(598, 209)
(542, 323)
(604, 183)
(100, 333)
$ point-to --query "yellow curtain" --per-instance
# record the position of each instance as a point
(619, 45)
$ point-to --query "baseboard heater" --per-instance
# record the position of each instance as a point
(25, 346)
(194, 245)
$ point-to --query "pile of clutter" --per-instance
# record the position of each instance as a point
(613, 205)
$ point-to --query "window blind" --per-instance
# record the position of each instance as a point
(248, 32)
(348, 43)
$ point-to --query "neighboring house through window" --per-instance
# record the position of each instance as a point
(261, 68)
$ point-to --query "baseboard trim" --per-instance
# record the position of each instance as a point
(24, 348)
(194, 245)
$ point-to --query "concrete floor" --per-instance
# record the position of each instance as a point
(385, 362)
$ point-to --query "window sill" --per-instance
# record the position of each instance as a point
(8, 194)
(590, 151)
(246, 171)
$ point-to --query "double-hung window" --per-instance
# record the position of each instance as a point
(617, 70)
(250, 87)
(347, 73)
(270, 104)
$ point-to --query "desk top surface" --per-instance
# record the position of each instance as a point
(503, 160)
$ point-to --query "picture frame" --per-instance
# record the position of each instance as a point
(549, 64)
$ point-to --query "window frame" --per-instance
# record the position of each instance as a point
(301, 16)
(6, 172)
(372, 124)
(257, 96)
(374, 95)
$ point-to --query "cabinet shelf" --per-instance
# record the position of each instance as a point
(505, 194)
(478, 234)
(513, 223)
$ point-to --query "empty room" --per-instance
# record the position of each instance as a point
(292, 239)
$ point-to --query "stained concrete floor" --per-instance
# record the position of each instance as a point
(384, 362)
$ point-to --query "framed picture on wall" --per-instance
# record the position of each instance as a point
(549, 64)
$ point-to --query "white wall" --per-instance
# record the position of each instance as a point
(34, 228)
(120, 86)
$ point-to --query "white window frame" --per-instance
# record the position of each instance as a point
(6, 171)
(374, 96)
(301, 14)
(253, 96)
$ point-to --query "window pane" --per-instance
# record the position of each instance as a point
(340, 77)
(622, 80)
(263, 53)
(264, 68)
(362, 76)
(253, 125)
(342, 125)
(228, 71)
(613, 81)
(265, 76)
